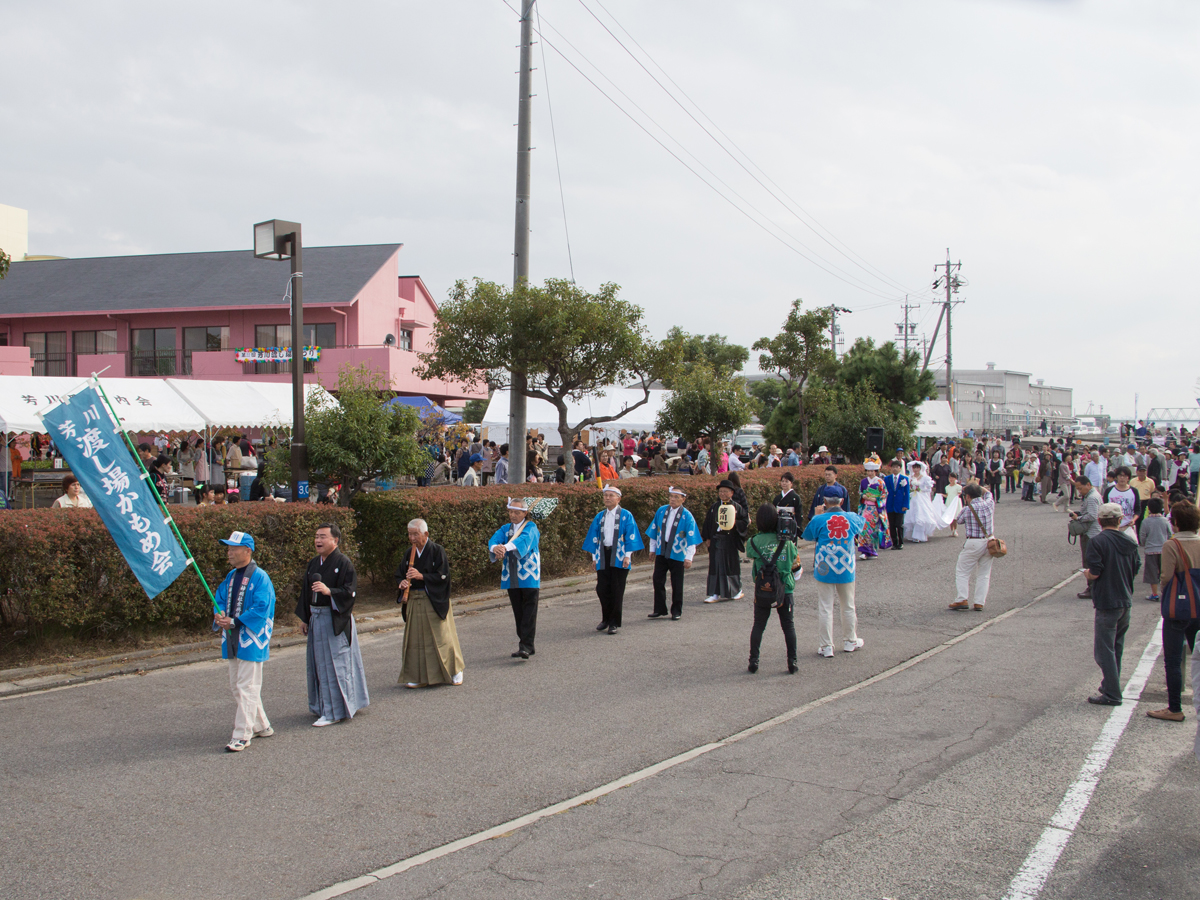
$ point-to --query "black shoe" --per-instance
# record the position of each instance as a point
(1084, 595)
(612, 629)
(675, 617)
(524, 654)
(655, 615)
(601, 626)
(793, 667)
(753, 667)
(518, 653)
(1101, 700)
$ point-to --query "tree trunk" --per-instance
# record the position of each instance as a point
(564, 435)
(803, 424)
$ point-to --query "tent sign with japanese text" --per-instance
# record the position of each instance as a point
(83, 431)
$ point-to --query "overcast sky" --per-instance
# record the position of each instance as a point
(1052, 146)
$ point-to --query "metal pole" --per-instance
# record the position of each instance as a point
(516, 409)
(949, 356)
(299, 448)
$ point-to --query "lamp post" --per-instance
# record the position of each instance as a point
(277, 239)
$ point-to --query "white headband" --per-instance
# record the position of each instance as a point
(674, 490)
(612, 487)
(512, 505)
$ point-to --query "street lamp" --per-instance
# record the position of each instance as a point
(277, 239)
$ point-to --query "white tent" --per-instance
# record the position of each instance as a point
(279, 393)
(542, 416)
(935, 420)
(227, 404)
(142, 404)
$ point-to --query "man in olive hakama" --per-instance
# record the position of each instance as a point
(432, 654)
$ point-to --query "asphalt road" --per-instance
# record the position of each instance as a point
(896, 775)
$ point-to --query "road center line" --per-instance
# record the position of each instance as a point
(1040, 862)
(504, 828)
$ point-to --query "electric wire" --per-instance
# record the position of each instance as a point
(554, 140)
(819, 262)
(847, 252)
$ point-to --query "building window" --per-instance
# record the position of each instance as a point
(89, 343)
(153, 351)
(318, 334)
(406, 339)
(4, 340)
(49, 351)
(203, 340)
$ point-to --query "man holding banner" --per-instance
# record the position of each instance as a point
(246, 612)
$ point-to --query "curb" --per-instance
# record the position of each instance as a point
(15, 682)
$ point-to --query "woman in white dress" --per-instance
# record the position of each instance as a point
(920, 521)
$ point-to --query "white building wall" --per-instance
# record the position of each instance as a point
(14, 232)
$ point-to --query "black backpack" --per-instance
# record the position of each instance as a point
(768, 584)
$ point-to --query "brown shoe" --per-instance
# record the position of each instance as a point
(1166, 715)
(963, 605)
(978, 607)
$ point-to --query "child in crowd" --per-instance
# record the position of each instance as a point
(953, 489)
(1155, 531)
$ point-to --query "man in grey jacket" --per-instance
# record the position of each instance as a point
(1089, 511)
(1112, 561)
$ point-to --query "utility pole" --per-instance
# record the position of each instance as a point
(907, 330)
(519, 380)
(951, 281)
(833, 326)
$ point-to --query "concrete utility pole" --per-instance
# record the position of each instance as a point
(833, 326)
(952, 282)
(516, 410)
(906, 330)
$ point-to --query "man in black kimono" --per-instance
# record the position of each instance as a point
(432, 654)
(725, 529)
(337, 682)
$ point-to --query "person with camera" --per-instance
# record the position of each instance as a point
(337, 682)
(977, 516)
(776, 567)
(673, 536)
(788, 499)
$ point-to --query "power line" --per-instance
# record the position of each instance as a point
(554, 140)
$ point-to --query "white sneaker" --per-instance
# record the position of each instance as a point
(851, 646)
(713, 599)
(266, 732)
(826, 652)
(740, 595)
(457, 679)
(322, 722)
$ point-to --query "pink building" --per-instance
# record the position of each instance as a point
(188, 314)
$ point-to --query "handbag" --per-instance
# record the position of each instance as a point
(995, 547)
(1181, 597)
(1076, 528)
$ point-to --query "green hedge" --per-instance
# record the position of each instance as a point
(462, 519)
(60, 570)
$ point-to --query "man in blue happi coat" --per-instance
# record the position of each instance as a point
(611, 541)
(246, 600)
(673, 536)
(518, 544)
(898, 496)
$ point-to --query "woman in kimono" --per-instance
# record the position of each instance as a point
(432, 654)
(921, 522)
(872, 506)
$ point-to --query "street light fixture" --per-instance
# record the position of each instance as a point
(279, 240)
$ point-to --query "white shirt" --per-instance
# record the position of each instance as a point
(81, 502)
(608, 528)
(735, 463)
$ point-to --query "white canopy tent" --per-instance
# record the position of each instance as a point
(935, 420)
(279, 394)
(227, 404)
(542, 416)
(142, 404)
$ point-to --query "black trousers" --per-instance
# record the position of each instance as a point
(1174, 633)
(896, 528)
(762, 614)
(610, 588)
(524, 606)
(663, 565)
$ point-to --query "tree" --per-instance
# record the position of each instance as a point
(842, 414)
(474, 410)
(5, 262)
(359, 439)
(801, 355)
(714, 351)
(706, 402)
(569, 343)
(897, 378)
(768, 392)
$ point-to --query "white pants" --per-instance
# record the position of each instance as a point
(245, 680)
(845, 597)
(973, 559)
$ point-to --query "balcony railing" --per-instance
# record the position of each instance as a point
(169, 363)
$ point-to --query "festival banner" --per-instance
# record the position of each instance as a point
(274, 354)
(120, 491)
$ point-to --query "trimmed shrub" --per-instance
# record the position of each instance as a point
(59, 568)
(462, 519)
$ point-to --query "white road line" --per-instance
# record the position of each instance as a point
(504, 828)
(1040, 862)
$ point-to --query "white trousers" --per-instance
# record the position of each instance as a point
(973, 560)
(245, 680)
(845, 598)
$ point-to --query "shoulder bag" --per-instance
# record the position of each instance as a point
(1181, 597)
(995, 547)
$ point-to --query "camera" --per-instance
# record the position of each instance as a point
(787, 529)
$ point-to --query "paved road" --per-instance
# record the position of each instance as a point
(934, 780)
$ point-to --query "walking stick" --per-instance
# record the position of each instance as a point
(412, 557)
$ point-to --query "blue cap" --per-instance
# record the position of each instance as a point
(238, 539)
(475, 457)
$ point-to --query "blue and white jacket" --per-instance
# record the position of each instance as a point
(256, 620)
(522, 555)
(626, 538)
(687, 534)
(834, 532)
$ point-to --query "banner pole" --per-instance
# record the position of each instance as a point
(170, 519)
